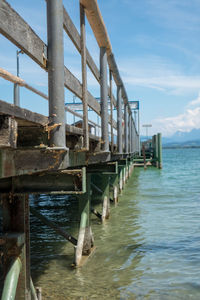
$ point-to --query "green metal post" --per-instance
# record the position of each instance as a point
(156, 150)
(16, 220)
(102, 181)
(121, 178)
(159, 137)
(114, 187)
(106, 196)
(85, 237)
(11, 280)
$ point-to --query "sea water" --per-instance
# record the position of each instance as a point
(148, 249)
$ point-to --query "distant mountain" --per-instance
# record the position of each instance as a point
(187, 144)
(180, 136)
(181, 139)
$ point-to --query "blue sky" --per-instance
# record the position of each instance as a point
(157, 49)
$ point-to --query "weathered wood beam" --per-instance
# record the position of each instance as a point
(14, 28)
(21, 113)
(97, 24)
(8, 132)
(66, 182)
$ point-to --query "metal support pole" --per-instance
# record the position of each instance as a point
(56, 73)
(11, 280)
(52, 225)
(119, 120)
(105, 178)
(129, 125)
(111, 112)
(139, 147)
(84, 79)
(102, 180)
(16, 86)
(15, 221)
(85, 237)
(126, 127)
(114, 187)
(104, 99)
(133, 136)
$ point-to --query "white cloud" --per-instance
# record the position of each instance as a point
(186, 121)
(157, 73)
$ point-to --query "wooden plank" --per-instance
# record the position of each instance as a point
(21, 113)
(14, 28)
(73, 130)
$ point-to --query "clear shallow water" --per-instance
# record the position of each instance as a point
(149, 249)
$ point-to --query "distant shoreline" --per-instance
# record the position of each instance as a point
(181, 147)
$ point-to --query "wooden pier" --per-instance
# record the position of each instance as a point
(40, 154)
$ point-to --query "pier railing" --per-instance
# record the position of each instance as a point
(40, 154)
(50, 57)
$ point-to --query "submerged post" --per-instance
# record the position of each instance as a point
(84, 79)
(104, 98)
(159, 139)
(56, 73)
(85, 237)
(119, 120)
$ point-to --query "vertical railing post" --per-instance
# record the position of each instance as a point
(84, 79)
(56, 73)
(126, 127)
(139, 150)
(119, 120)
(85, 237)
(133, 135)
(129, 135)
(16, 86)
(111, 111)
(104, 99)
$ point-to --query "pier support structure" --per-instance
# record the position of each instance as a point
(157, 150)
(16, 237)
(85, 237)
(159, 137)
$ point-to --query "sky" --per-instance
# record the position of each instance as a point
(156, 47)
